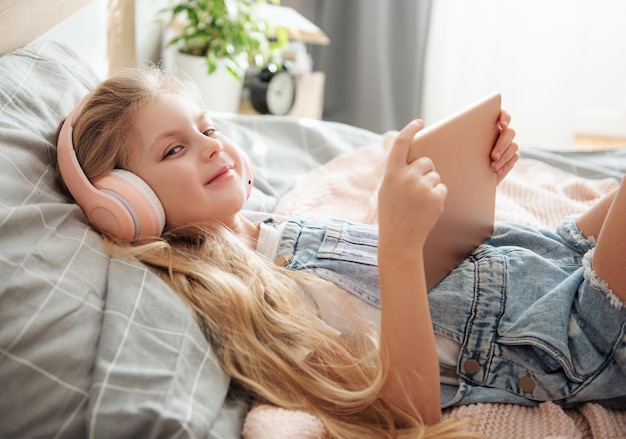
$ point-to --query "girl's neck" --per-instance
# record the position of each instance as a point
(246, 230)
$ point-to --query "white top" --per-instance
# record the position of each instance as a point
(334, 315)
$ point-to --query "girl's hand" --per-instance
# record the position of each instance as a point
(504, 154)
(411, 195)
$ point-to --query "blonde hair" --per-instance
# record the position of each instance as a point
(257, 316)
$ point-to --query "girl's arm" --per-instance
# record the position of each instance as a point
(410, 201)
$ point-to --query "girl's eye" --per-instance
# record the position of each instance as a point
(172, 151)
(210, 132)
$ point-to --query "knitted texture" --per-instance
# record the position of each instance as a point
(534, 193)
(514, 421)
(498, 421)
(269, 422)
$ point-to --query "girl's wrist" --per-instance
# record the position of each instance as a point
(400, 254)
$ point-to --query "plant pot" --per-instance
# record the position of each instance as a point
(219, 90)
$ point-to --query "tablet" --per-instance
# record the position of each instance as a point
(460, 146)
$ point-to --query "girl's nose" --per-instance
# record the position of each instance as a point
(211, 148)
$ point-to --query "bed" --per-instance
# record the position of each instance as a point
(93, 345)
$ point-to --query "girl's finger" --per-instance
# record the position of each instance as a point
(504, 143)
(400, 148)
(505, 119)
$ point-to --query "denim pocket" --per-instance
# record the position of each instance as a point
(348, 257)
(350, 242)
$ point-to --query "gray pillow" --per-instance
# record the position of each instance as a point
(89, 344)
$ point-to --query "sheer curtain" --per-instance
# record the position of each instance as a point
(375, 61)
(559, 65)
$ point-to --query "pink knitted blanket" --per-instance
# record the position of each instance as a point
(533, 193)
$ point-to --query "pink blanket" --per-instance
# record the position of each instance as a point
(533, 193)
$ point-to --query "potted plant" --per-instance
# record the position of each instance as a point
(217, 40)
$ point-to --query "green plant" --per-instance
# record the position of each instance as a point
(231, 30)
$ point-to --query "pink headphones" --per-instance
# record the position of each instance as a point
(119, 203)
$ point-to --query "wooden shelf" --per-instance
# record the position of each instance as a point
(584, 141)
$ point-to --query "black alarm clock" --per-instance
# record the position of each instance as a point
(273, 91)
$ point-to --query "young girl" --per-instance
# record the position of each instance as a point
(529, 316)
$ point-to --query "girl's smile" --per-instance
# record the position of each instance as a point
(226, 172)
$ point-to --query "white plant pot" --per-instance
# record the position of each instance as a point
(219, 90)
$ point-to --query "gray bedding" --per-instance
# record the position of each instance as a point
(92, 345)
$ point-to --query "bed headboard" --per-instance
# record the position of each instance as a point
(40, 16)
(113, 20)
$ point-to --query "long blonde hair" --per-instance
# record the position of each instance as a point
(257, 316)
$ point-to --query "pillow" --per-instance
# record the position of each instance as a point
(89, 344)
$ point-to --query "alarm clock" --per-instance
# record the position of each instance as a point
(273, 91)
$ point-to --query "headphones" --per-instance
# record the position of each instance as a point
(119, 203)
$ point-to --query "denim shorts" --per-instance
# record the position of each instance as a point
(533, 321)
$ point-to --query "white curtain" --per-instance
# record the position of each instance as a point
(375, 61)
(559, 65)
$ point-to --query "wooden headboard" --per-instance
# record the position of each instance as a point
(22, 21)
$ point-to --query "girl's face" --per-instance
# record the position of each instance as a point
(197, 173)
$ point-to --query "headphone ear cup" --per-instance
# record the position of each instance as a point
(248, 172)
(120, 203)
(131, 210)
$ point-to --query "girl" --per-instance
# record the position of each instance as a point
(531, 320)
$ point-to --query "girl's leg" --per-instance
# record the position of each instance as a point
(609, 260)
(590, 223)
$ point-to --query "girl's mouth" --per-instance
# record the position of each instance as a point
(223, 173)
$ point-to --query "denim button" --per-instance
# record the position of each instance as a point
(527, 384)
(282, 260)
(471, 366)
